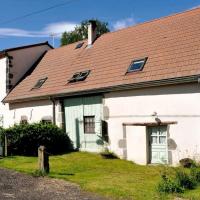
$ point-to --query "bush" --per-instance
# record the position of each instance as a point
(195, 173)
(185, 180)
(169, 185)
(177, 182)
(187, 163)
(24, 139)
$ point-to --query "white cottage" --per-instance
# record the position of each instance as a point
(136, 89)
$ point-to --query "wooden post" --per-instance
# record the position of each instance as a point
(43, 160)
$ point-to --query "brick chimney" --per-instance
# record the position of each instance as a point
(92, 32)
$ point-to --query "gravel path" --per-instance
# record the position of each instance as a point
(14, 185)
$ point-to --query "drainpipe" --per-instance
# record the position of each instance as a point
(63, 114)
(53, 109)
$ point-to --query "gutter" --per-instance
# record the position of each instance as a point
(156, 83)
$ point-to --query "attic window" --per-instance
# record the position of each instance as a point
(79, 45)
(137, 65)
(79, 76)
(39, 83)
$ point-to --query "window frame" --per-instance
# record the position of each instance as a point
(137, 60)
(89, 123)
(79, 45)
(76, 77)
(36, 86)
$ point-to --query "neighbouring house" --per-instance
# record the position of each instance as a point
(135, 90)
(15, 64)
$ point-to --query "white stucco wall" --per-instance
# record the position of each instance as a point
(172, 103)
(23, 59)
(34, 110)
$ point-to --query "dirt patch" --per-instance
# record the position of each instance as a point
(14, 185)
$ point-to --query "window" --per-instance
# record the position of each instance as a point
(46, 120)
(39, 83)
(79, 45)
(24, 119)
(79, 76)
(137, 65)
(89, 124)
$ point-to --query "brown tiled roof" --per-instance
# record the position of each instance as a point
(172, 45)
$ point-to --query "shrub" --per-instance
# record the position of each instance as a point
(177, 182)
(195, 173)
(185, 180)
(169, 185)
(24, 139)
(187, 163)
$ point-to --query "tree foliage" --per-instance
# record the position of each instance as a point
(81, 32)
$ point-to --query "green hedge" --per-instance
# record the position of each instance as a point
(24, 139)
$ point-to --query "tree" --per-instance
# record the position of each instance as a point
(81, 32)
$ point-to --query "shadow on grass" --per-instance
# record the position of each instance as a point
(66, 174)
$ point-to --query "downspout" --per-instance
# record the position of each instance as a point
(53, 109)
(63, 114)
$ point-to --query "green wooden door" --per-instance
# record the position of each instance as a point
(75, 111)
(73, 117)
(158, 144)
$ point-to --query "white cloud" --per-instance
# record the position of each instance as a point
(59, 28)
(123, 23)
(55, 28)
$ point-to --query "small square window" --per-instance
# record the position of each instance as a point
(89, 124)
(137, 65)
(24, 119)
(39, 83)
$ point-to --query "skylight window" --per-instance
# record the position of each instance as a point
(137, 65)
(79, 76)
(79, 45)
(39, 83)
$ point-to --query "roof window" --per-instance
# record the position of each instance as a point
(137, 65)
(79, 45)
(39, 83)
(79, 76)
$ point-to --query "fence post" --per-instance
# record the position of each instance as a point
(43, 160)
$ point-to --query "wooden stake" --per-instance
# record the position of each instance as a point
(43, 160)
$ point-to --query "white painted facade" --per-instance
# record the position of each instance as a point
(35, 111)
(178, 103)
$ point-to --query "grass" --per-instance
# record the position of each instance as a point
(114, 178)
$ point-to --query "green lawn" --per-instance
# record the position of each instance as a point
(116, 178)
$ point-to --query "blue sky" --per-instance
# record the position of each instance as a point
(38, 27)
